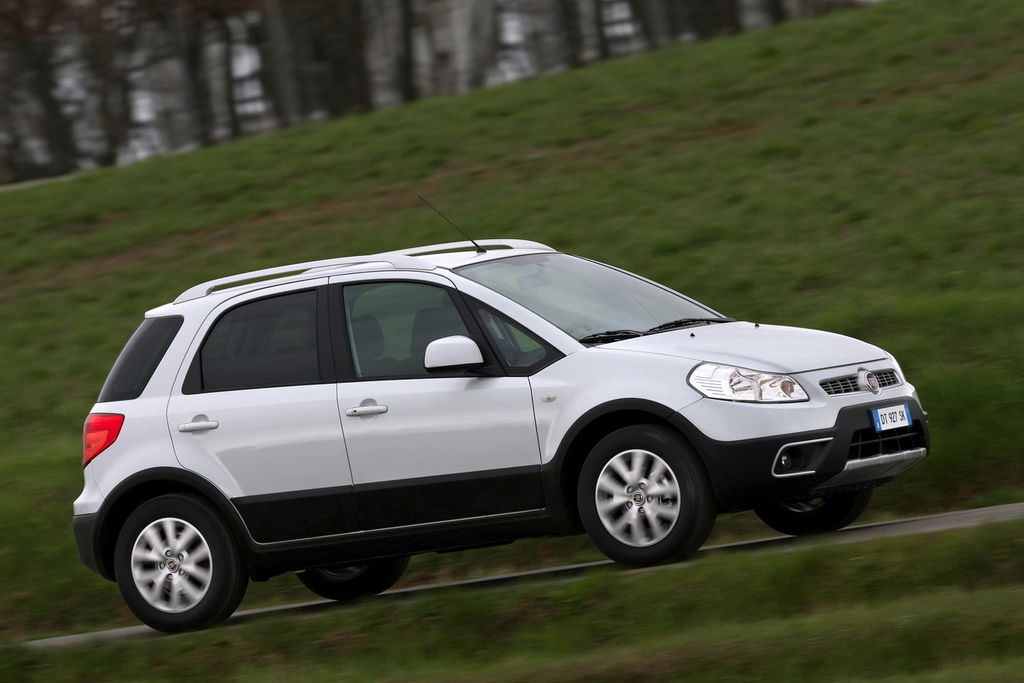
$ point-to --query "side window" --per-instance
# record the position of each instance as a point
(518, 348)
(266, 343)
(390, 324)
(137, 362)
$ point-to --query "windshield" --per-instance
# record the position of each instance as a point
(584, 298)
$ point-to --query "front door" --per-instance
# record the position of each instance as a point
(429, 448)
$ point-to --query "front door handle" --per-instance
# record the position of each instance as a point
(363, 411)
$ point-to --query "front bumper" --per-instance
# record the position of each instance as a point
(873, 469)
(848, 455)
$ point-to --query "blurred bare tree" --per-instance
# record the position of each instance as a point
(87, 83)
(37, 137)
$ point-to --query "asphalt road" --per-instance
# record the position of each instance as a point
(854, 534)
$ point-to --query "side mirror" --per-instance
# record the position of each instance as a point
(452, 353)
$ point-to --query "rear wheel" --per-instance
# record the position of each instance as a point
(177, 565)
(644, 497)
(348, 582)
(817, 515)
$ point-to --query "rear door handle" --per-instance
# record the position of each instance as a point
(198, 426)
(362, 411)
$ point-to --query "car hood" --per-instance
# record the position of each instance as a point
(756, 347)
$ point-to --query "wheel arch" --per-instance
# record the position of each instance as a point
(146, 485)
(598, 423)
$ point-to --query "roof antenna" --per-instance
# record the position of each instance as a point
(479, 249)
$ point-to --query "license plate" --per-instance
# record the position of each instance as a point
(891, 418)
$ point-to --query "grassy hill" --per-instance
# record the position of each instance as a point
(936, 608)
(861, 173)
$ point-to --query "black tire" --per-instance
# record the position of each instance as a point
(177, 565)
(350, 582)
(644, 497)
(815, 516)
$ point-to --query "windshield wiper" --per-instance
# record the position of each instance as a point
(610, 336)
(619, 335)
(685, 322)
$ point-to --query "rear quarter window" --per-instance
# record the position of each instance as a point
(137, 362)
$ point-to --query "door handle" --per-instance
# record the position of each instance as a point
(198, 426)
(362, 411)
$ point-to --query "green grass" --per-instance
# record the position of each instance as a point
(861, 173)
(917, 608)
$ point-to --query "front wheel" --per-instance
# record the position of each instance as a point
(177, 566)
(354, 581)
(644, 497)
(818, 515)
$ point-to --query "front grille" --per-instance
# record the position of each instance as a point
(840, 385)
(849, 384)
(867, 443)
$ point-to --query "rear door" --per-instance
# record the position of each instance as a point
(257, 415)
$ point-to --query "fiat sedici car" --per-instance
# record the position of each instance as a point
(334, 418)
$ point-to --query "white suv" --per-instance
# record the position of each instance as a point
(333, 418)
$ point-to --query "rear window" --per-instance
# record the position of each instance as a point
(265, 343)
(137, 362)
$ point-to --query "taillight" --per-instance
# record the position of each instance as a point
(101, 430)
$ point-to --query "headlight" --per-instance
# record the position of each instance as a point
(737, 384)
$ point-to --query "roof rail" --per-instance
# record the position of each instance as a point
(394, 260)
(453, 246)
